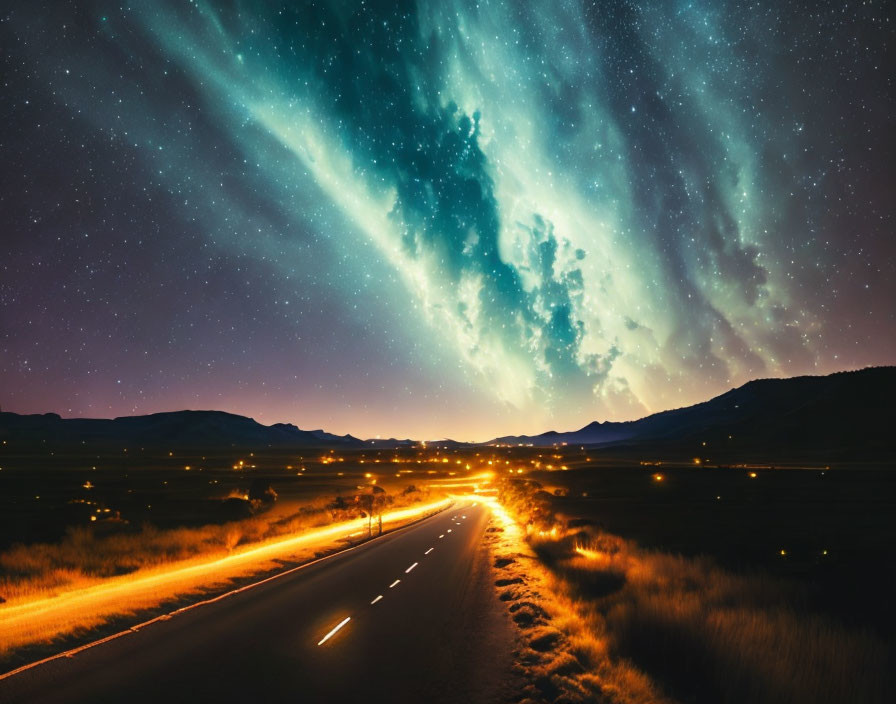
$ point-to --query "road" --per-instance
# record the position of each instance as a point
(409, 617)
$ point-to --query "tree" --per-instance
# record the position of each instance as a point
(372, 500)
(261, 490)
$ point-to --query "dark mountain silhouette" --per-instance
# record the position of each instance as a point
(594, 433)
(845, 412)
(163, 430)
(390, 443)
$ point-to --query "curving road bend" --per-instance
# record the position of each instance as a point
(410, 617)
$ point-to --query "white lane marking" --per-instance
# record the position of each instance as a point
(464, 517)
(429, 551)
(411, 567)
(443, 535)
(376, 600)
(449, 530)
(333, 632)
(394, 583)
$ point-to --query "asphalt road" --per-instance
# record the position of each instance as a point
(419, 623)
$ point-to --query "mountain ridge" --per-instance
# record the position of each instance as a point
(185, 428)
(842, 410)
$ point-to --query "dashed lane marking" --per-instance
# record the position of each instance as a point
(335, 630)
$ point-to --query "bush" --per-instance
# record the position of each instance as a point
(261, 490)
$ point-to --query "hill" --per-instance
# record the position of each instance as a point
(163, 430)
(845, 412)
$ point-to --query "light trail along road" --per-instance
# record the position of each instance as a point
(410, 617)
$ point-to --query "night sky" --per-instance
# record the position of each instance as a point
(440, 218)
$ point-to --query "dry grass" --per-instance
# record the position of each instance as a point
(86, 557)
(564, 650)
(640, 626)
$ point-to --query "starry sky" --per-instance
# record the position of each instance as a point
(444, 217)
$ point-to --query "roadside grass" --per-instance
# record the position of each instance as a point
(644, 625)
(564, 650)
(86, 556)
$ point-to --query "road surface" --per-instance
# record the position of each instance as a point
(410, 617)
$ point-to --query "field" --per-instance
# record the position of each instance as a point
(44, 494)
(694, 583)
(101, 515)
(831, 530)
(635, 579)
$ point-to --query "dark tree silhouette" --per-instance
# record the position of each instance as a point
(372, 500)
(262, 491)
